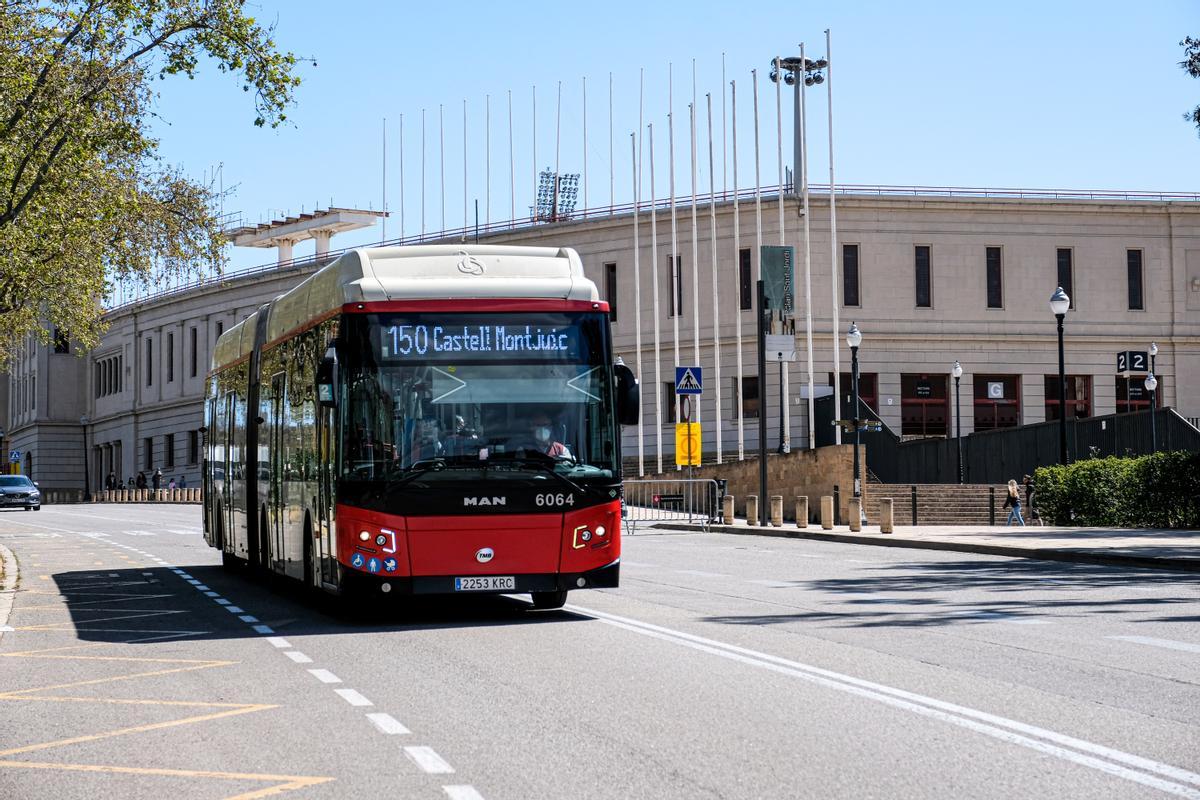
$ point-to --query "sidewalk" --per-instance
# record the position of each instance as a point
(1160, 549)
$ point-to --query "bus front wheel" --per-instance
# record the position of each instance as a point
(548, 600)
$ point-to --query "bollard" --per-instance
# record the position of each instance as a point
(176, 495)
(827, 512)
(751, 509)
(801, 512)
(991, 505)
(727, 510)
(885, 515)
(914, 505)
(856, 513)
(777, 510)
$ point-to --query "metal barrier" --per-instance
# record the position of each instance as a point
(694, 501)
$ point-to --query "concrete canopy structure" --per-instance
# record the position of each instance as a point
(320, 226)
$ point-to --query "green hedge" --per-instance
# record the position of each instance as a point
(1155, 491)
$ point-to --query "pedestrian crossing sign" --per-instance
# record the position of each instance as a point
(689, 380)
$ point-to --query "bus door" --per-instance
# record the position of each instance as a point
(225, 464)
(275, 508)
(323, 524)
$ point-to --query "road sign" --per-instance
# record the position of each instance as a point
(868, 425)
(689, 380)
(777, 273)
(781, 347)
(1133, 361)
(14, 456)
(687, 444)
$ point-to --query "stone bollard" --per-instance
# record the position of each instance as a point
(751, 509)
(727, 510)
(176, 495)
(856, 514)
(827, 512)
(885, 515)
(801, 512)
(777, 510)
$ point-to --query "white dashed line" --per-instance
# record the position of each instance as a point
(278, 641)
(1168, 644)
(6, 628)
(428, 760)
(298, 657)
(223, 601)
(462, 793)
(235, 609)
(353, 698)
(385, 722)
(324, 676)
(262, 629)
(202, 587)
(213, 594)
(248, 618)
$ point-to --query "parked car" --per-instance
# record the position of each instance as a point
(17, 491)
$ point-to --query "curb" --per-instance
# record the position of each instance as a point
(1040, 553)
(8, 588)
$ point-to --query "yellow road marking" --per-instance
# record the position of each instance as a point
(95, 681)
(123, 701)
(288, 782)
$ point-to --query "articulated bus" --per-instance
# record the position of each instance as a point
(423, 420)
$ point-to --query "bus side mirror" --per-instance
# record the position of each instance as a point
(327, 379)
(629, 395)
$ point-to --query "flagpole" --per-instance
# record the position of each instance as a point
(466, 216)
(833, 250)
(402, 178)
(658, 404)
(442, 156)
(724, 135)
(695, 263)
(534, 212)
(422, 174)
(612, 191)
(637, 296)
(737, 276)
(557, 150)
(585, 175)
(383, 219)
(785, 434)
(812, 402)
(487, 160)
(512, 169)
(712, 251)
(673, 257)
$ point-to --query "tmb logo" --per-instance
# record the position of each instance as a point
(484, 501)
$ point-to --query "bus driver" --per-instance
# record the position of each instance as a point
(542, 431)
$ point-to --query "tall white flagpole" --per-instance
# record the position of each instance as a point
(383, 219)
(466, 215)
(442, 156)
(712, 252)
(422, 174)
(658, 400)
(585, 186)
(487, 159)
(784, 371)
(401, 176)
(758, 239)
(612, 191)
(512, 169)
(724, 135)
(557, 150)
(637, 294)
(812, 402)
(737, 278)
(695, 257)
(833, 250)
(673, 258)
(533, 214)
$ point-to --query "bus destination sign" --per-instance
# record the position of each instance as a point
(425, 341)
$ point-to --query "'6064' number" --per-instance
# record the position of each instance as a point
(543, 500)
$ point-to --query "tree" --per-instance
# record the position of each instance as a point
(1191, 65)
(85, 200)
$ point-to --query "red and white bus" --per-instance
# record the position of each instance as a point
(433, 419)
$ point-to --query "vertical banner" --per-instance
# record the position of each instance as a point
(778, 274)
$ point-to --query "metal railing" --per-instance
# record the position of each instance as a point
(691, 501)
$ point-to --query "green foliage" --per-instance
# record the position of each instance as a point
(1156, 491)
(85, 200)
(1191, 65)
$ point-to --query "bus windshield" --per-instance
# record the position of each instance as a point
(443, 395)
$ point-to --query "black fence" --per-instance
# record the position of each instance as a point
(996, 456)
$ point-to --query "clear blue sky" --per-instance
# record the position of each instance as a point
(1021, 94)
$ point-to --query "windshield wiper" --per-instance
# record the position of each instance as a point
(424, 467)
(542, 463)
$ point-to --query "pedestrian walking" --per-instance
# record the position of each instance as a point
(171, 485)
(157, 480)
(141, 480)
(1013, 503)
(183, 481)
(1031, 500)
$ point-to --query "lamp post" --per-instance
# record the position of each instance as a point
(1151, 386)
(854, 339)
(1059, 303)
(957, 372)
(87, 486)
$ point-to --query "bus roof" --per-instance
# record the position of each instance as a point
(442, 272)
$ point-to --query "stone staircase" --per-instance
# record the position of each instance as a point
(939, 503)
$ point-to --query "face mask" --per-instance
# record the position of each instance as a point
(542, 433)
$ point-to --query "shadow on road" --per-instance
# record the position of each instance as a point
(156, 605)
(942, 593)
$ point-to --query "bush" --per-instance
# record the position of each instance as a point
(1156, 491)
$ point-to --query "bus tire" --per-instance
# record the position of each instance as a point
(230, 562)
(549, 600)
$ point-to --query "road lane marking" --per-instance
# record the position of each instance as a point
(298, 657)
(462, 793)
(353, 698)
(212, 594)
(287, 782)
(278, 641)
(235, 609)
(324, 676)
(1088, 754)
(1169, 644)
(387, 724)
(428, 760)
(248, 618)
(262, 629)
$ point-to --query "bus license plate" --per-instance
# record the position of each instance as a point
(486, 584)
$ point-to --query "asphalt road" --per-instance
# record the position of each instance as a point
(724, 667)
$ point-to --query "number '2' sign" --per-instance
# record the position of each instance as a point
(1133, 361)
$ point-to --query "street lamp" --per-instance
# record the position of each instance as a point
(1151, 386)
(957, 373)
(1059, 303)
(87, 487)
(854, 339)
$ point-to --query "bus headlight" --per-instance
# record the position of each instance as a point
(364, 536)
(599, 530)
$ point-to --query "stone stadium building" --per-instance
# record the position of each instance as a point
(930, 276)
